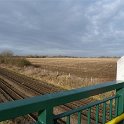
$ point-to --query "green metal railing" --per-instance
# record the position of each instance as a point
(107, 112)
(104, 110)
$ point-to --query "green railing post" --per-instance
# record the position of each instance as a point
(120, 91)
(46, 116)
(120, 108)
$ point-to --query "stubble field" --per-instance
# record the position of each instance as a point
(87, 70)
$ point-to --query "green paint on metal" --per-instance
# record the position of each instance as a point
(97, 114)
(68, 120)
(90, 105)
(104, 113)
(116, 107)
(120, 101)
(89, 114)
(46, 116)
(79, 117)
(110, 113)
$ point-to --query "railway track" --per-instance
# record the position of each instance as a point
(32, 87)
(10, 94)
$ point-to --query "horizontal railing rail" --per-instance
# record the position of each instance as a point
(44, 104)
(84, 107)
(107, 113)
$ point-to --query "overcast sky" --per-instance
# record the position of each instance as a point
(62, 27)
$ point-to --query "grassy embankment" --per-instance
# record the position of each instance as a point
(14, 61)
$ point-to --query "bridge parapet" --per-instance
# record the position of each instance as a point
(44, 104)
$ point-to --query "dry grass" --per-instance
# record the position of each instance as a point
(71, 72)
(6, 122)
(81, 67)
(19, 120)
(16, 61)
(89, 70)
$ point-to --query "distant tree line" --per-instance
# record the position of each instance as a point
(61, 56)
(9, 53)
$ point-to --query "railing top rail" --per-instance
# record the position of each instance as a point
(25, 106)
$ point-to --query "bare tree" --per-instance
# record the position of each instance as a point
(7, 53)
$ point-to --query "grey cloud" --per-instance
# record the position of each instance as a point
(62, 27)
